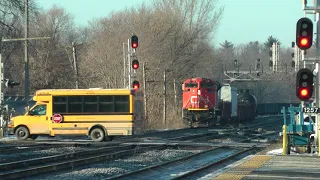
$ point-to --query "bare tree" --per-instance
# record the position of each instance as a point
(51, 60)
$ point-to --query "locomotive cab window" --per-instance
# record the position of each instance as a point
(191, 85)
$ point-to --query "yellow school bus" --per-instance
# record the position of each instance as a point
(98, 113)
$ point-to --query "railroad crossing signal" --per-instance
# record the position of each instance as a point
(135, 64)
(304, 84)
(134, 42)
(135, 85)
(304, 33)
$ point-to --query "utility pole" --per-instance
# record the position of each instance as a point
(145, 93)
(26, 35)
(164, 97)
(2, 81)
(25, 39)
(75, 64)
(175, 96)
(1, 97)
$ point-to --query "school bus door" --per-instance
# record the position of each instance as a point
(38, 119)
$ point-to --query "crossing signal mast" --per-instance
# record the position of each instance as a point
(135, 61)
(131, 63)
(304, 82)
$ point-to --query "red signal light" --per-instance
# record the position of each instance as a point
(304, 41)
(134, 45)
(304, 92)
(134, 41)
(135, 85)
(135, 64)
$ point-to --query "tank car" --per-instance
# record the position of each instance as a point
(200, 102)
(247, 106)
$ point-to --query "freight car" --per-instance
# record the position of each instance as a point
(228, 102)
(273, 108)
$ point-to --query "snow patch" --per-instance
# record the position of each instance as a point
(275, 152)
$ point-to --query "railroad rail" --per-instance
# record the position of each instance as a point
(177, 168)
(31, 167)
(210, 165)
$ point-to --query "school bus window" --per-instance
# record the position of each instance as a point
(75, 99)
(106, 98)
(120, 98)
(106, 104)
(90, 99)
(59, 104)
(90, 104)
(74, 104)
(39, 110)
(121, 103)
(59, 99)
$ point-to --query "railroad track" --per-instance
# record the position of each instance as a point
(29, 147)
(32, 167)
(180, 168)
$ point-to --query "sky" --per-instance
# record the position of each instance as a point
(242, 21)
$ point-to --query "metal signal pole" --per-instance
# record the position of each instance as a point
(315, 10)
(129, 67)
(124, 65)
(317, 77)
(164, 97)
(75, 64)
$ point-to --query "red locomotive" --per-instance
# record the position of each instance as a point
(200, 101)
(207, 102)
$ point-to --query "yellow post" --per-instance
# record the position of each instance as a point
(284, 140)
(318, 142)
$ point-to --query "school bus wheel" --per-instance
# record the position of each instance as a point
(22, 133)
(97, 135)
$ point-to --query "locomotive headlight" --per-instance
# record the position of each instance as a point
(199, 92)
